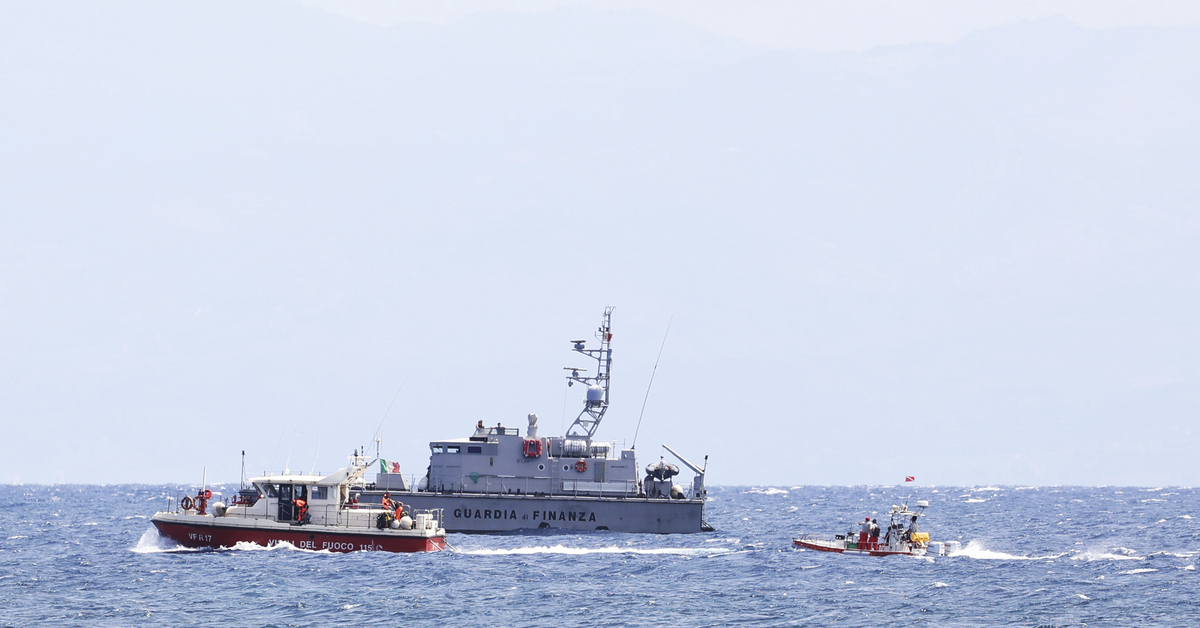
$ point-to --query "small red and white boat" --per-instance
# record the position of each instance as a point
(900, 538)
(308, 511)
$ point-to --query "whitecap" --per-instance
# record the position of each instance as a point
(702, 552)
(975, 501)
(768, 491)
(938, 585)
(1136, 571)
(1119, 553)
(346, 607)
(246, 546)
(1082, 596)
(153, 543)
(1190, 568)
(19, 536)
(976, 550)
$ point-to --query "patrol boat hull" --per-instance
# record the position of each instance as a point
(491, 513)
(198, 531)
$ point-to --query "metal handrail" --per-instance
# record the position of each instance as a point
(341, 514)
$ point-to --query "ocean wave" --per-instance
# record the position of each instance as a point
(974, 501)
(1175, 554)
(702, 552)
(976, 550)
(1118, 553)
(1136, 571)
(767, 491)
(154, 543)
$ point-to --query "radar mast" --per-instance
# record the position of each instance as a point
(596, 402)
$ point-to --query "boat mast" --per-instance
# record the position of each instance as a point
(596, 403)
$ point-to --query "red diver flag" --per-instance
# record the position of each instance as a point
(910, 478)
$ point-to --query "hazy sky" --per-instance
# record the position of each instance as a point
(827, 26)
(236, 226)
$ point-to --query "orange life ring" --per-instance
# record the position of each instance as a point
(207, 494)
(581, 466)
(186, 503)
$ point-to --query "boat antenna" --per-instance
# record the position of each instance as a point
(243, 469)
(287, 466)
(278, 445)
(652, 372)
(596, 403)
(378, 435)
(317, 454)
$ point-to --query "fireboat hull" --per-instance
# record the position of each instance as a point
(214, 535)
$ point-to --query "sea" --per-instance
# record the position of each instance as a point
(1031, 556)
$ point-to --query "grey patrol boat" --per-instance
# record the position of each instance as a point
(497, 480)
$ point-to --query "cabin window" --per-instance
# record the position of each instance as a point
(320, 492)
(438, 449)
(474, 450)
(271, 492)
(453, 449)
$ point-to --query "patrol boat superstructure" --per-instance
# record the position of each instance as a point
(496, 480)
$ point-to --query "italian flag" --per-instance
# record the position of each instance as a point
(388, 467)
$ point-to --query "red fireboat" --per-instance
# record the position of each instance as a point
(308, 511)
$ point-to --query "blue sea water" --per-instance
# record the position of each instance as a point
(1033, 556)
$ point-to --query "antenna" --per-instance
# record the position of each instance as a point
(318, 452)
(243, 469)
(287, 466)
(377, 436)
(597, 393)
(655, 370)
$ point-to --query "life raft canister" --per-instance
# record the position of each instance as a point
(533, 448)
(581, 466)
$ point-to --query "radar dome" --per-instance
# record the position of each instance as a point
(595, 395)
